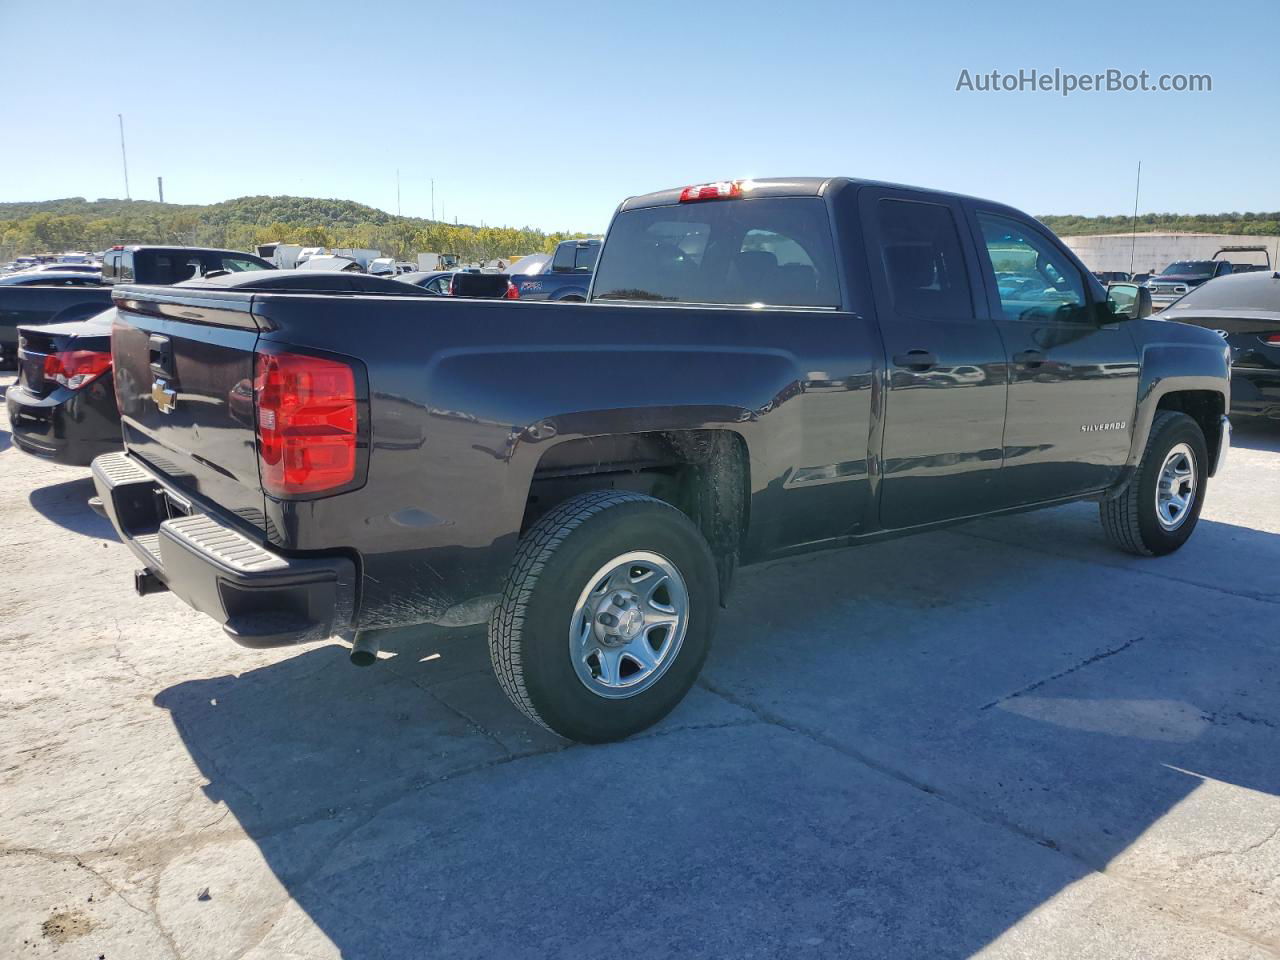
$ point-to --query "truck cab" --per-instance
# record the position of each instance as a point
(567, 277)
(169, 265)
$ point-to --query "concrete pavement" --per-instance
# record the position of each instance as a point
(1003, 740)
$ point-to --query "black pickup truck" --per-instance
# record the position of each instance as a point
(764, 368)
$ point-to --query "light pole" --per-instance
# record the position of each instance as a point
(124, 160)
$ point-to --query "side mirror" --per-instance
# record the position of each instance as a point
(1129, 301)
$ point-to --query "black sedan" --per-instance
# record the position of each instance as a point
(462, 283)
(432, 281)
(63, 406)
(1244, 309)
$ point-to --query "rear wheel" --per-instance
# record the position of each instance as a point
(607, 616)
(1160, 507)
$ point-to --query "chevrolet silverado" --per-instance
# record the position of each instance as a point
(763, 368)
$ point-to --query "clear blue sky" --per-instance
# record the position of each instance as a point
(548, 114)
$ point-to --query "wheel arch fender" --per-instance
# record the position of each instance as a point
(1180, 376)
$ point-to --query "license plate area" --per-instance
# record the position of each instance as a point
(170, 506)
(31, 371)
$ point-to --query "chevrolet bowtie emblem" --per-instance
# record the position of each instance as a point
(165, 396)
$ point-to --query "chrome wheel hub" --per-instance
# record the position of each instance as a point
(628, 624)
(1176, 487)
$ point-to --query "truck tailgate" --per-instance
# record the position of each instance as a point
(184, 382)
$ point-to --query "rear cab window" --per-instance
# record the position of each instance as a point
(767, 252)
(575, 258)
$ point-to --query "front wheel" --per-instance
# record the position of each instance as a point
(606, 617)
(1160, 507)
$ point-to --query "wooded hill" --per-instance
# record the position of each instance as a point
(79, 224)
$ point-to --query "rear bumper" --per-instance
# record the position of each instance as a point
(68, 426)
(260, 597)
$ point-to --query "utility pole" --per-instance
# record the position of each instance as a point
(124, 161)
(1134, 243)
(160, 187)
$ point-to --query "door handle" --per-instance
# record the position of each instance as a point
(1029, 358)
(915, 360)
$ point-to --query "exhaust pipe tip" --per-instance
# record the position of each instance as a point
(364, 649)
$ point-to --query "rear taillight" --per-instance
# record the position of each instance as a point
(307, 423)
(76, 368)
(723, 190)
(1273, 339)
(513, 292)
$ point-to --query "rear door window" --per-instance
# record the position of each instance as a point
(771, 252)
(923, 260)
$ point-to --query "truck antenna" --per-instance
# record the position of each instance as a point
(1134, 242)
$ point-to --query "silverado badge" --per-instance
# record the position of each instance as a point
(165, 396)
(1095, 427)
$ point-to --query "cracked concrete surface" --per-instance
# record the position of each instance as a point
(1002, 740)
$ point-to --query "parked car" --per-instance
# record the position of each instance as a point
(167, 265)
(31, 298)
(758, 373)
(67, 268)
(567, 278)
(461, 283)
(1183, 275)
(63, 406)
(62, 296)
(1244, 310)
(434, 282)
(52, 278)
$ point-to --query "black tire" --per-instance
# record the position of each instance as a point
(553, 566)
(1130, 520)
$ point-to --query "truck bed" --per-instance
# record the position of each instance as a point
(464, 398)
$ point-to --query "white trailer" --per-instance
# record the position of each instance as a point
(361, 256)
(286, 256)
